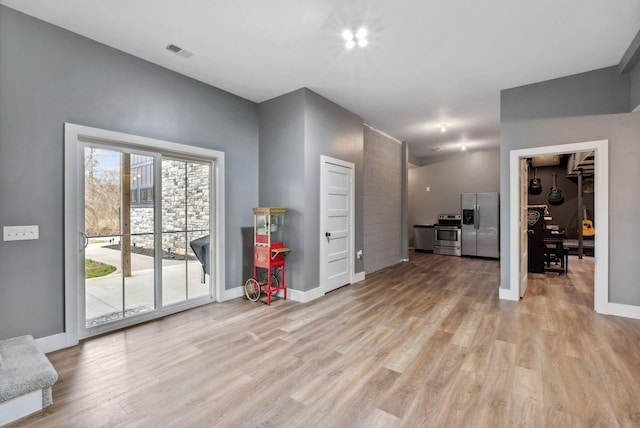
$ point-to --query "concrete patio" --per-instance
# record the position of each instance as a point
(104, 295)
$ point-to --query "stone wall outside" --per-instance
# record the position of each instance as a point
(174, 207)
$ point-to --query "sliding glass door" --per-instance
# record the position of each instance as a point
(147, 223)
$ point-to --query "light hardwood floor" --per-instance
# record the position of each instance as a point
(422, 344)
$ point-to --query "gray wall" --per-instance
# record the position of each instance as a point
(382, 200)
(602, 91)
(49, 76)
(448, 177)
(622, 130)
(331, 131)
(295, 129)
(635, 88)
(282, 173)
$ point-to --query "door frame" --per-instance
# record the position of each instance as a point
(523, 255)
(601, 215)
(323, 203)
(75, 134)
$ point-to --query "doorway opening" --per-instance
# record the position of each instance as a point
(518, 204)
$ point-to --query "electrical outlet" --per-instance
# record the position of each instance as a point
(20, 233)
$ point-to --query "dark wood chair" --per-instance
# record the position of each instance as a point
(556, 253)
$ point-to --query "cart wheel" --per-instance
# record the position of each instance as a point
(252, 289)
(275, 280)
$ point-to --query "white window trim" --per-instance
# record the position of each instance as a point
(73, 135)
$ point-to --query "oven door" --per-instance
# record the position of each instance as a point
(448, 241)
(447, 236)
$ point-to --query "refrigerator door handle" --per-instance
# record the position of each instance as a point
(477, 222)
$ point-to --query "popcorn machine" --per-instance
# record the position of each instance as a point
(268, 254)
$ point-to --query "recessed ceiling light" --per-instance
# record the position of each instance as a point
(435, 149)
(463, 147)
(443, 127)
(358, 39)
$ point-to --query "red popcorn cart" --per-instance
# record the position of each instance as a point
(268, 254)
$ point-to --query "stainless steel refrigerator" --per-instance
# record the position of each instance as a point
(480, 224)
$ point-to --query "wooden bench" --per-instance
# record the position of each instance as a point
(26, 377)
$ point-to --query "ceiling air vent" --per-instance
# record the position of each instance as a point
(178, 50)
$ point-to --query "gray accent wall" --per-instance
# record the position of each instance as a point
(603, 91)
(49, 76)
(382, 200)
(447, 178)
(331, 130)
(635, 88)
(295, 130)
(621, 129)
(281, 181)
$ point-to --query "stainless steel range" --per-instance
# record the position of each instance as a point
(448, 239)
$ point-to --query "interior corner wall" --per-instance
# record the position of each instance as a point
(295, 130)
(49, 76)
(620, 129)
(447, 178)
(282, 174)
(382, 200)
(333, 131)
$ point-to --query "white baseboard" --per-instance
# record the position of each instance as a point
(508, 294)
(304, 296)
(233, 293)
(357, 277)
(622, 310)
(52, 343)
(295, 295)
(20, 407)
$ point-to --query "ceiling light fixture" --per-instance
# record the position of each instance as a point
(360, 38)
(463, 147)
(443, 127)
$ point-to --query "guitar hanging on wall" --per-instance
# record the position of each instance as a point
(555, 194)
(587, 225)
(535, 186)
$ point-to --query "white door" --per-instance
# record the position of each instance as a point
(336, 206)
(523, 225)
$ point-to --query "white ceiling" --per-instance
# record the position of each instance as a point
(427, 61)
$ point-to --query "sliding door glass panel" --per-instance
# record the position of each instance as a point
(185, 230)
(198, 222)
(119, 270)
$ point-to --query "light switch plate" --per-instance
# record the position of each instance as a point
(20, 233)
